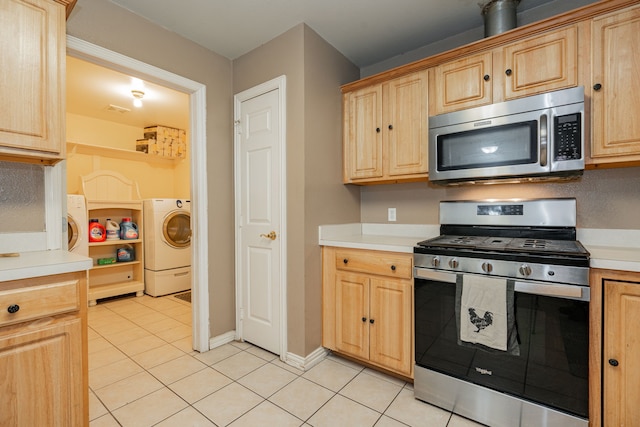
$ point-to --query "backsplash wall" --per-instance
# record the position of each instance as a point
(607, 198)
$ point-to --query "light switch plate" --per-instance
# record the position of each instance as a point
(392, 214)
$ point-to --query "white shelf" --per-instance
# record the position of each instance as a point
(116, 153)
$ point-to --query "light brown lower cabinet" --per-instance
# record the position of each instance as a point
(615, 367)
(43, 351)
(368, 307)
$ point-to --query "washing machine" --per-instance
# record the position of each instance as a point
(167, 246)
(77, 225)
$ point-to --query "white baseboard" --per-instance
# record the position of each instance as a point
(223, 339)
(306, 363)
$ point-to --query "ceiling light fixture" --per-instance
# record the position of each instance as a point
(137, 97)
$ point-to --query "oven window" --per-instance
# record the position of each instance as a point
(512, 144)
(552, 368)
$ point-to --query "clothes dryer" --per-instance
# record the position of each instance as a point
(77, 225)
(167, 245)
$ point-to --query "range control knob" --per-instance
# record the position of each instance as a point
(435, 261)
(525, 270)
(453, 263)
(487, 267)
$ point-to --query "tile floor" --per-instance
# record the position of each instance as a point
(142, 372)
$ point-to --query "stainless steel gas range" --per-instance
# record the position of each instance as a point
(501, 305)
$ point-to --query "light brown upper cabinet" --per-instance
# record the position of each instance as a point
(33, 46)
(615, 102)
(385, 131)
(534, 65)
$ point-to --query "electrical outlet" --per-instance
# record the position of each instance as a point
(392, 214)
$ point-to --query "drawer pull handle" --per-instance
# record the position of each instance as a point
(393, 268)
(13, 308)
(345, 261)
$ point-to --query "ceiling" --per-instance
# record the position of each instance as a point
(365, 31)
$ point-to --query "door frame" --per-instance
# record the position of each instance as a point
(278, 83)
(198, 175)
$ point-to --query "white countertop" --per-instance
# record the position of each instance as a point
(42, 263)
(610, 249)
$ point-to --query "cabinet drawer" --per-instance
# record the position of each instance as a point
(30, 303)
(374, 262)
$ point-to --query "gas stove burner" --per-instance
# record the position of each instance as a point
(534, 244)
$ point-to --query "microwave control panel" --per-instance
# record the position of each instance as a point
(568, 137)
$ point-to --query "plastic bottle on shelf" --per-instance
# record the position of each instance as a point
(113, 229)
(128, 229)
(97, 232)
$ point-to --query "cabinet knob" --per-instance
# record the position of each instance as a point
(613, 362)
(377, 130)
(486, 77)
(364, 319)
(13, 308)
(508, 72)
(393, 268)
(371, 321)
(597, 86)
(390, 127)
(345, 260)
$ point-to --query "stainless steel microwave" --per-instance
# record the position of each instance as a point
(539, 137)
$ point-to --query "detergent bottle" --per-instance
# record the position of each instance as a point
(113, 229)
(128, 229)
(97, 232)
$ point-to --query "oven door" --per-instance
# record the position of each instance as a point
(551, 370)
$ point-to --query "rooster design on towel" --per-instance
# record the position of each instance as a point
(480, 322)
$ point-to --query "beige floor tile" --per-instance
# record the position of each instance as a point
(458, 421)
(109, 374)
(176, 333)
(239, 365)
(343, 361)
(157, 356)
(128, 390)
(187, 319)
(331, 374)
(178, 310)
(92, 334)
(302, 398)
(134, 333)
(117, 325)
(96, 408)
(385, 377)
(146, 343)
(185, 344)
(241, 345)
(371, 391)
(177, 369)
(150, 409)
(385, 421)
(148, 318)
(200, 384)
(267, 414)
(267, 379)
(187, 417)
(262, 353)
(284, 365)
(340, 411)
(98, 343)
(162, 325)
(104, 421)
(405, 408)
(227, 404)
(105, 357)
(218, 354)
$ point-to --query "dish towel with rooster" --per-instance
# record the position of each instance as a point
(485, 313)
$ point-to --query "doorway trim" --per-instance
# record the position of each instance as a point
(198, 137)
(278, 83)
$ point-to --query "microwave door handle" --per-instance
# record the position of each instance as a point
(543, 140)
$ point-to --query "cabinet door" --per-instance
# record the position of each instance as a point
(352, 314)
(41, 371)
(621, 348)
(406, 121)
(363, 134)
(616, 104)
(390, 327)
(541, 64)
(463, 83)
(32, 42)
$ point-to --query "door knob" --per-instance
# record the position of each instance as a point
(271, 235)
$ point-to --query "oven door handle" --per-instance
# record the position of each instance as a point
(581, 293)
(437, 276)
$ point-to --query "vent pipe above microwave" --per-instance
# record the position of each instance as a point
(499, 16)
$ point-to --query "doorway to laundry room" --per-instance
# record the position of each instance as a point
(109, 132)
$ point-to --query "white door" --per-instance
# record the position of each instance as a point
(260, 229)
